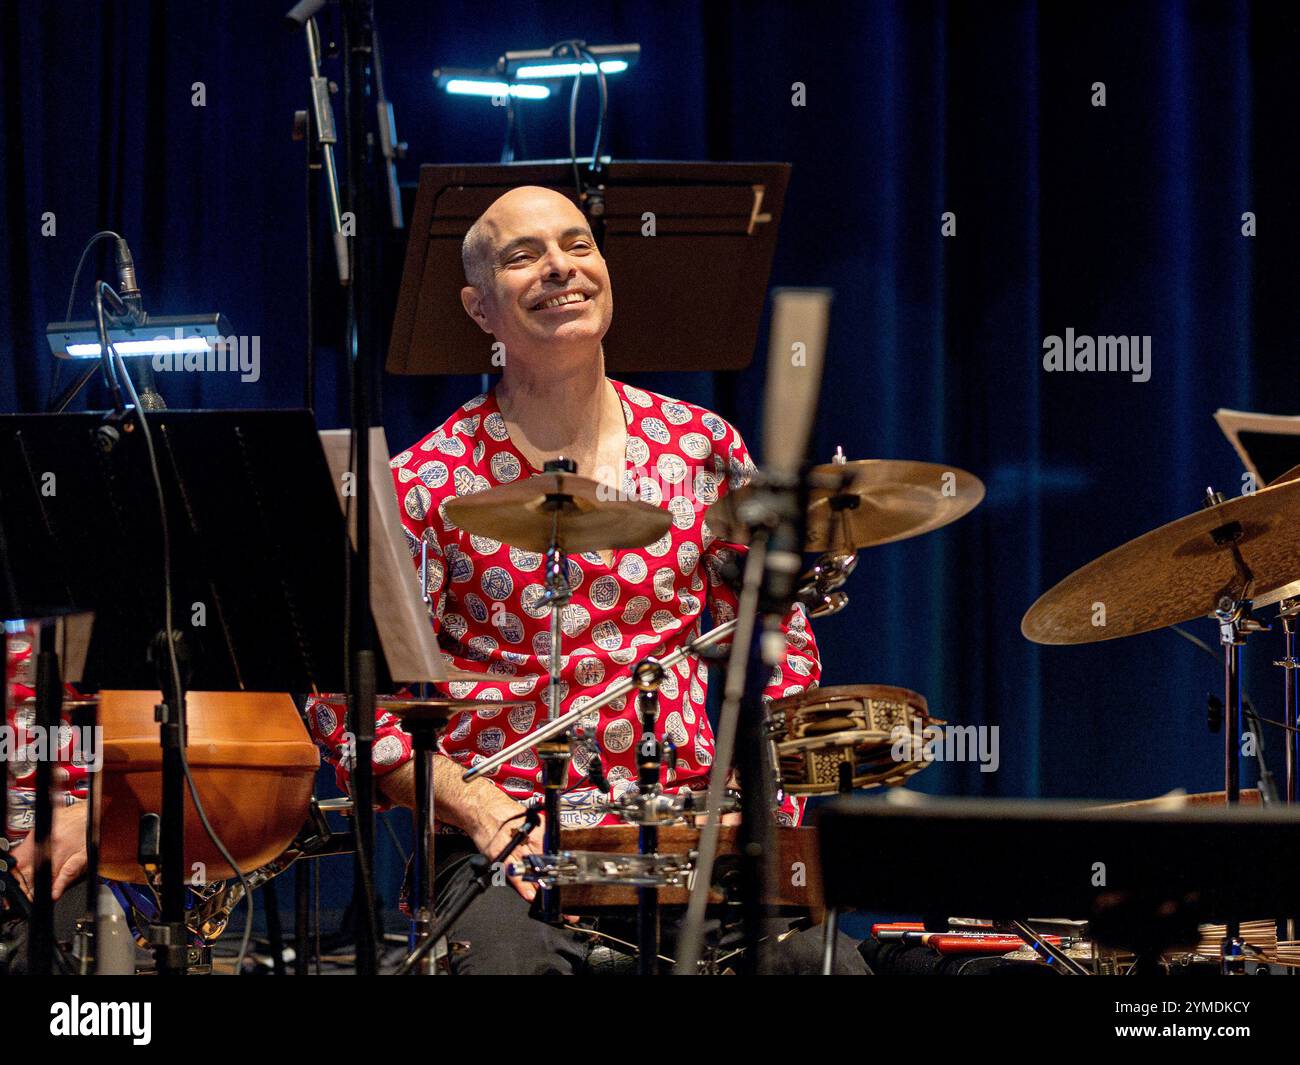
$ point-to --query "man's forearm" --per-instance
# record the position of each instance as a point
(455, 801)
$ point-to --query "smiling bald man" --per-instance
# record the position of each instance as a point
(538, 284)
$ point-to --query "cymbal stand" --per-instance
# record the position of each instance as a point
(554, 753)
(1288, 611)
(1235, 624)
(648, 674)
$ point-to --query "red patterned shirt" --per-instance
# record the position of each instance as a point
(491, 616)
(25, 747)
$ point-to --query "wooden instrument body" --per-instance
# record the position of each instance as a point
(253, 763)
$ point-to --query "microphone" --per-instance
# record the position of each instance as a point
(126, 283)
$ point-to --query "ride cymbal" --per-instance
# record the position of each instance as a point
(1178, 572)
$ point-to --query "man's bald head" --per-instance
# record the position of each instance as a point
(537, 280)
(477, 248)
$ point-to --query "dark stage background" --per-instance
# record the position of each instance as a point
(1122, 219)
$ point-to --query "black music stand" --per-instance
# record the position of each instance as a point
(257, 552)
(721, 218)
(1143, 878)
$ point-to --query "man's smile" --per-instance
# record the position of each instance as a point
(561, 299)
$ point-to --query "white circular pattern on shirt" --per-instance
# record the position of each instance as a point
(677, 413)
(635, 609)
(662, 620)
(326, 720)
(485, 545)
(688, 713)
(604, 591)
(461, 729)
(523, 686)
(475, 607)
(405, 476)
(505, 467)
(702, 754)
(575, 574)
(590, 671)
(491, 740)
(618, 735)
(533, 601)
(461, 567)
(468, 426)
(481, 484)
(525, 560)
(450, 445)
(479, 648)
(638, 452)
(497, 583)
(799, 665)
(656, 430)
(683, 512)
(433, 473)
(454, 626)
(675, 730)
(669, 684)
(505, 669)
(706, 487)
(794, 689)
(495, 427)
(517, 784)
(650, 492)
(623, 657)
(510, 627)
(697, 445)
(388, 750)
(688, 556)
(632, 569)
(463, 478)
(542, 644)
(627, 412)
(638, 397)
(524, 760)
(479, 448)
(581, 758)
(687, 603)
(715, 425)
(399, 460)
(607, 636)
(663, 584)
(661, 546)
(574, 618)
(672, 468)
(521, 718)
(417, 502)
(460, 689)
(697, 691)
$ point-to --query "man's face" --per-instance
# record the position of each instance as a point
(548, 288)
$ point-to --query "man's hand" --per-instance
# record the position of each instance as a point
(67, 851)
(495, 821)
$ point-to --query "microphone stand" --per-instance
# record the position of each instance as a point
(472, 889)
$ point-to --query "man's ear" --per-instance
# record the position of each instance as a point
(472, 300)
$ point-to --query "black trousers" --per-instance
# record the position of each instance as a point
(505, 939)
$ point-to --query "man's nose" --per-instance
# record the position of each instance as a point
(557, 263)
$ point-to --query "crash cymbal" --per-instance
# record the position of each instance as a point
(518, 514)
(890, 499)
(1178, 572)
(1292, 474)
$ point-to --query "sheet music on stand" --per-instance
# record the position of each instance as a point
(400, 617)
(1268, 444)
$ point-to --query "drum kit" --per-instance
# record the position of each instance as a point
(254, 762)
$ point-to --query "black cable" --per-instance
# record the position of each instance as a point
(103, 234)
(168, 613)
